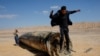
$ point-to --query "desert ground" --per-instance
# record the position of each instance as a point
(84, 36)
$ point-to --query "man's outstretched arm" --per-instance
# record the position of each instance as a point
(74, 11)
(55, 16)
(51, 14)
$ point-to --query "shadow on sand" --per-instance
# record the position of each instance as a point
(33, 50)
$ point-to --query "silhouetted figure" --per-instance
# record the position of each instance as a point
(16, 37)
(61, 18)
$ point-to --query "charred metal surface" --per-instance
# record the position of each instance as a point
(36, 40)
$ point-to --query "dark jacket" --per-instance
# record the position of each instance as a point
(62, 20)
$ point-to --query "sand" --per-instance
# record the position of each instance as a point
(86, 40)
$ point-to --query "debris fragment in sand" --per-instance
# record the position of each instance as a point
(88, 50)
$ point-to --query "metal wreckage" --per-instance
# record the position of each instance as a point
(41, 40)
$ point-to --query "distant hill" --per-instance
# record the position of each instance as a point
(83, 26)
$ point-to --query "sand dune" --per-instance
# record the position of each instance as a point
(85, 38)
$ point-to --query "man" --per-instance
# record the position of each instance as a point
(61, 18)
(16, 37)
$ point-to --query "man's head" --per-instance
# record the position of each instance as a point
(63, 10)
(16, 30)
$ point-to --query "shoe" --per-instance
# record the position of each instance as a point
(67, 52)
(16, 44)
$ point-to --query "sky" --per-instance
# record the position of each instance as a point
(26, 13)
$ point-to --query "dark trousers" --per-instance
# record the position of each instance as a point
(16, 39)
(64, 31)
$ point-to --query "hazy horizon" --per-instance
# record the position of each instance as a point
(24, 13)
